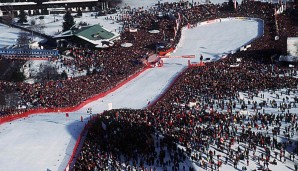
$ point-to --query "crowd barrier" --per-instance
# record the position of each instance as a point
(72, 108)
(76, 147)
(200, 64)
(182, 56)
(163, 53)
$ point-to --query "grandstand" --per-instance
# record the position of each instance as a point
(27, 53)
(42, 6)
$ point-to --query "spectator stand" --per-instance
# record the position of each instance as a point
(28, 54)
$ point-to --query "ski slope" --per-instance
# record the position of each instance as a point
(45, 141)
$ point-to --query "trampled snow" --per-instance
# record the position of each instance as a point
(8, 35)
(45, 141)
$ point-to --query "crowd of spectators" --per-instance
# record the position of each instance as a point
(117, 63)
(123, 140)
(202, 111)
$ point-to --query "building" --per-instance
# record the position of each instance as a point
(88, 36)
(33, 7)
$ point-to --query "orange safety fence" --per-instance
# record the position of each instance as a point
(182, 56)
(163, 53)
(195, 64)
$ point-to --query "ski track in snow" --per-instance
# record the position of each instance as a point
(45, 141)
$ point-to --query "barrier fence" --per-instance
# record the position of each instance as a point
(182, 56)
(163, 53)
(76, 147)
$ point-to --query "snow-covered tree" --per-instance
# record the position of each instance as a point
(23, 39)
(79, 14)
(22, 17)
(68, 21)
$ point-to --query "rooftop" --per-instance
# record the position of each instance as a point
(93, 34)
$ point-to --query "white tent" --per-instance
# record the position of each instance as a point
(132, 30)
(154, 31)
(126, 44)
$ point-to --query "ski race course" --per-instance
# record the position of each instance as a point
(46, 141)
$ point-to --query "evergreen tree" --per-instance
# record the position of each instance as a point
(64, 75)
(41, 26)
(79, 13)
(22, 17)
(23, 39)
(231, 5)
(88, 72)
(68, 21)
(17, 76)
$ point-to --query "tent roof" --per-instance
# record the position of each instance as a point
(95, 32)
(92, 33)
